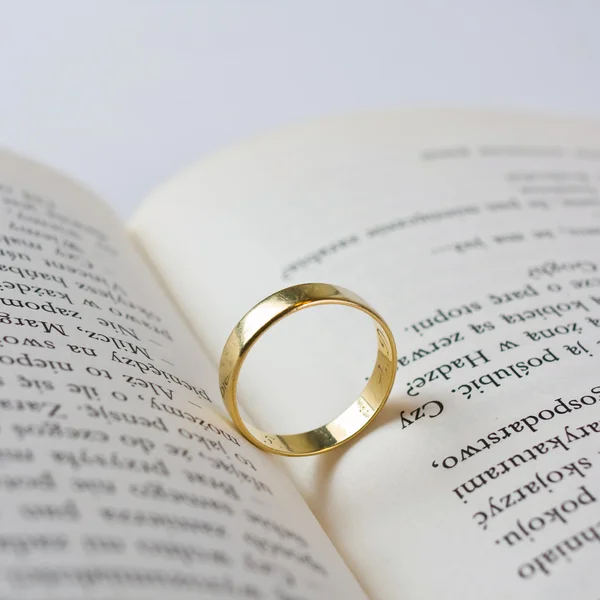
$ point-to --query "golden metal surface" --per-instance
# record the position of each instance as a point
(355, 418)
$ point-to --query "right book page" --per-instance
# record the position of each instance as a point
(477, 237)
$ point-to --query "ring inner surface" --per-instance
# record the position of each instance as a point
(351, 421)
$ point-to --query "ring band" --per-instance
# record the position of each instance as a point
(355, 418)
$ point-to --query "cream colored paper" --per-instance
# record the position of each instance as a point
(118, 475)
(476, 236)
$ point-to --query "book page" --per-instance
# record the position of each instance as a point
(119, 478)
(476, 236)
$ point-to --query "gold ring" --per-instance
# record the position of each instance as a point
(355, 418)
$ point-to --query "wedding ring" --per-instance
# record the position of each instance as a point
(355, 418)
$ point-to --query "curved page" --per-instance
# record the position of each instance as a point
(118, 476)
(477, 237)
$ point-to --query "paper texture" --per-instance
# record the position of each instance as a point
(476, 237)
(118, 476)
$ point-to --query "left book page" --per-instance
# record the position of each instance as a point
(118, 476)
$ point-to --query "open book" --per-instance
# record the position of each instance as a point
(475, 235)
